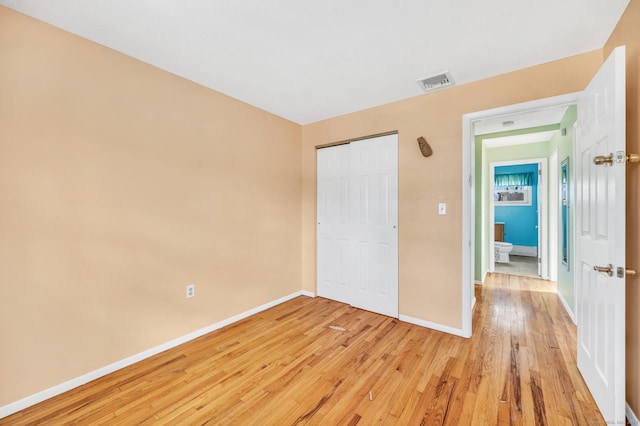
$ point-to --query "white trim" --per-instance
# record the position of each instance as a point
(432, 325)
(468, 227)
(468, 186)
(36, 398)
(473, 304)
(307, 293)
(572, 240)
(553, 215)
(484, 278)
(631, 416)
(568, 309)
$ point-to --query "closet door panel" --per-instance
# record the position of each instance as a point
(333, 223)
(374, 162)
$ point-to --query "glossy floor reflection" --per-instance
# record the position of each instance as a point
(519, 265)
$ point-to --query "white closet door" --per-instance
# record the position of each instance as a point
(374, 240)
(357, 224)
(333, 223)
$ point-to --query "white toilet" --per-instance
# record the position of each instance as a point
(502, 251)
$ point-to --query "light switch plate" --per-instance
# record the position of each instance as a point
(442, 209)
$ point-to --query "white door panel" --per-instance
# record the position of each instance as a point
(375, 234)
(333, 213)
(600, 239)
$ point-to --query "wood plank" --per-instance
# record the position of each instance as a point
(287, 366)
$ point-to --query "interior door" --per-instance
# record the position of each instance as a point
(357, 224)
(374, 243)
(600, 236)
(333, 223)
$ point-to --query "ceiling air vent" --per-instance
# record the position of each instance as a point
(435, 82)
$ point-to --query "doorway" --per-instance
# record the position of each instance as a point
(518, 207)
(471, 202)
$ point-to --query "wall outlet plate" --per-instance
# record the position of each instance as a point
(191, 291)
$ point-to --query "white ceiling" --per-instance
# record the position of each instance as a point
(525, 120)
(520, 139)
(308, 60)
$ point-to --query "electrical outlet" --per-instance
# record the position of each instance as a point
(191, 291)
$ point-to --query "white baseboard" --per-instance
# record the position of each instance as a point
(530, 251)
(631, 417)
(568, 309)
(473, 303)
(484, 278)
(21, 404)
(432, 325)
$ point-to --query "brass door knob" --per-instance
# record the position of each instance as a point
(606, 269)
(601, 159)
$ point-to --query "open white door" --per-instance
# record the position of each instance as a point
(600, 236)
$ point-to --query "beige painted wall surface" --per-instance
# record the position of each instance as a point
(628, 33)
(121, 184)
(430, 245)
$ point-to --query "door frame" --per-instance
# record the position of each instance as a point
(541, 207)
(468, 189)
(553, 214)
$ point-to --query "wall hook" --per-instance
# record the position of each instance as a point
(424, 147)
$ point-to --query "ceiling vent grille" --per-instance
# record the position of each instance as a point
(435, 82)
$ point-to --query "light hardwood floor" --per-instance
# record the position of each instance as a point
(287, 366)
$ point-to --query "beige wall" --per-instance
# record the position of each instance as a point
(628, 33)
(120, 184)
(430, 245)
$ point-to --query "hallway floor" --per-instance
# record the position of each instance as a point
(519, 265)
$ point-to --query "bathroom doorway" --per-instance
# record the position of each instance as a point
(518, 211)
